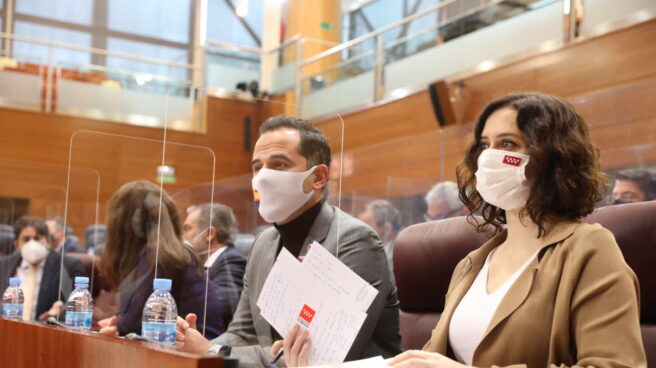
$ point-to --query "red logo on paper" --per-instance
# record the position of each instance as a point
(307, 313)
(511, 160)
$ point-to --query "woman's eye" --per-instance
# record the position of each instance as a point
(484, 145)
(508, 144)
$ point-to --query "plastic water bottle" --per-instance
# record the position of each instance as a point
(12, 300)
(160, 314)
(79, 308)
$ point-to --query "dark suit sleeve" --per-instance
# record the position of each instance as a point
(190, 297)
(361, 250)
(227, 276)
(74, 267)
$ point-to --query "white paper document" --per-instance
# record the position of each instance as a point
(338, 276)
(301, 293)
(376, 362)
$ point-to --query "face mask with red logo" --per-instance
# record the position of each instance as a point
(501, 179)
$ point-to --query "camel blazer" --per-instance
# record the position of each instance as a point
(576, 305)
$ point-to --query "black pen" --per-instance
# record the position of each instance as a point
(277, 358)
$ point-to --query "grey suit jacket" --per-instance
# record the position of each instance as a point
(250, 336)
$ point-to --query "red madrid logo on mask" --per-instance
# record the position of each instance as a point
(510, 160)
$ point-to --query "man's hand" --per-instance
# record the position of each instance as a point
(423, 359)
(296, 347)
(53, 312)
(187, 336)
(108, 326)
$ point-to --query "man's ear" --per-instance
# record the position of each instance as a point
(320, 179)
(211, 233)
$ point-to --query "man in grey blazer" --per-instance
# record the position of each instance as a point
(290, 165)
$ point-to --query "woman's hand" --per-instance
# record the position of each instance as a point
(187, 336)
(108, 326)
(423, 359)
(296, 347)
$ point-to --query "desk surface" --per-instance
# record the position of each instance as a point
(32, 345)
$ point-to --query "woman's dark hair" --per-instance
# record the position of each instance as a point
(563, 173)
(132, 218)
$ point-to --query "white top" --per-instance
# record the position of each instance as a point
(22, 272)
(214, 256)
(472, 316)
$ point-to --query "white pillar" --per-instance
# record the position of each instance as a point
(270, 40)
(200, 35)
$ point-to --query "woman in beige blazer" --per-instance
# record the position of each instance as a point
(568, 299)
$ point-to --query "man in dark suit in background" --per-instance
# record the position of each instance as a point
(57, 229)
(211, 230)
(39, 270)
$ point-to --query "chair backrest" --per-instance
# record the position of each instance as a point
(6, 239)
(426, 254)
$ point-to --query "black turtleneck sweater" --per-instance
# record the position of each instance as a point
(293, 233)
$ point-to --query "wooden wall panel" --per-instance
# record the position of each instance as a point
(621, 57)
(34, 147)
(611, 80)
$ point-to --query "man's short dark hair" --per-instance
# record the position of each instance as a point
(645, 179)
(313, 147)
(30, 221)
(223, 220)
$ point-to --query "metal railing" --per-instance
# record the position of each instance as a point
(380, 47)
(291, 51)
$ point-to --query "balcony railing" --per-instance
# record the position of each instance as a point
(378, 66)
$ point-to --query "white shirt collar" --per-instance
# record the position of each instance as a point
(214, 256)
(25, 265)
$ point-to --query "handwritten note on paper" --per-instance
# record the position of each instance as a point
(375, 362)
(294, 295)
(326, 267)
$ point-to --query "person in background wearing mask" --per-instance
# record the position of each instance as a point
(442, 201)
(634, 186)
(39, 270)
(290, 164)
(211, 229)
(385, 219)
(548, 290)
(57, 229)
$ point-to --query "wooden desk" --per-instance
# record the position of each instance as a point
(32, 345)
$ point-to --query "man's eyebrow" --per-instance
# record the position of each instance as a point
(282, 156)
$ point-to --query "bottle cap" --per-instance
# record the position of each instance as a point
(162, 284)
(81, 280)
(14, 281)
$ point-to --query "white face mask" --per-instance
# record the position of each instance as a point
(501, 179)
(33, 251)
(192, 243)
(280, 193)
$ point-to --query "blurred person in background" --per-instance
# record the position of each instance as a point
(211, 230)
(134, 243)
(634, 185)
(385, 219)
(443, 201)
(39, 269)
(57, 228)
